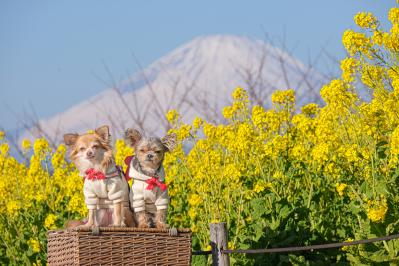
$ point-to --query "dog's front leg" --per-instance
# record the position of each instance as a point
(142, 219)
(90, 220)
(118, 214)
(92, 216)
(160, 219)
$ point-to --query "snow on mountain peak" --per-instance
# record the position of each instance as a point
(196, 79)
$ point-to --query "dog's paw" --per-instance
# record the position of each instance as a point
(143, 225)
(122, 224)
(161, 226)
(119, 225)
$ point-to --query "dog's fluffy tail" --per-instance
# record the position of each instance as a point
(73, 223)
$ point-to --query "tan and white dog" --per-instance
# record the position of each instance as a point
(105, 188)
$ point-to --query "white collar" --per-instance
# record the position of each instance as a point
(133, 173)
(110, 170)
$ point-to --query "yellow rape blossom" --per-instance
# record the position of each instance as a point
(372, 76)
(393, 15)
(261, 186)
(13, 207)
(340, 187)
(192, 213)
(348, 67)
(41, 147)
(239, 93)
(228, 112)
(194, 199)
(310, 109)
(50, 220)
(355, 42)
(172, 116)
(283, 97)
(366, 20)
(34, 244)
(377, 209)
(26, 144)
(378, 37)
(122, 150)
(346, 248)
(197, 122)
(4, 148)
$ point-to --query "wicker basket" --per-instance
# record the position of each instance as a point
(119, 246)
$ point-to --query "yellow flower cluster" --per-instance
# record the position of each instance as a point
(266, 154)
(48, 189)
(366, 20)
(341, 188)
(34, 245)
(356, 42)
(26, 145)
(395, 142)
(4, 148)
(372, 76)
(122, 150)
(283, 97)
(41, 147)
(239, 108)
(172, 116)
(393, 15)
(239, 93)
(377, 209)
(197, 123)
(348, 67)
(346, 248)
(261, 186)
(49, 223)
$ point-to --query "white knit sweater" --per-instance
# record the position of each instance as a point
(143, 199)
(101, 193)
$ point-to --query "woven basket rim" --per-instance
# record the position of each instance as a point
(120, 229)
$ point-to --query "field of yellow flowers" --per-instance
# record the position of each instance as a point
(278, 177)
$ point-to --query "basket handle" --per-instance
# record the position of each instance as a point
(95, 231)
(173, 232)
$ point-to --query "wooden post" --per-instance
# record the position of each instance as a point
(218, 242)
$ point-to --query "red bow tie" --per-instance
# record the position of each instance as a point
(152, 182)
(92, 174)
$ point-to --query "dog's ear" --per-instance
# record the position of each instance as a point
(70, 139)
(169, 141)
(103, 132)
(132, 136)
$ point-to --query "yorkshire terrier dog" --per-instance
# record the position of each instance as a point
(105, 187)
(149, 194)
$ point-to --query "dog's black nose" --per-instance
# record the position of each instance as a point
(150, 156)
(89, 153)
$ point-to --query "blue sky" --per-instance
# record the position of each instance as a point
(52, 51)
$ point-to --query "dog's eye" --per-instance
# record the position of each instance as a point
(158, 152)
(81, 148)
(142, 150)
(95, 146)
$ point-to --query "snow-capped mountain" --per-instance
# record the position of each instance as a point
(196, 79)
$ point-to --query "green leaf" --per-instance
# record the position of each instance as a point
(274, 224)
(285, 211)
(379, 256)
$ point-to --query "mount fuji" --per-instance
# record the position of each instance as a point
(196, 79)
